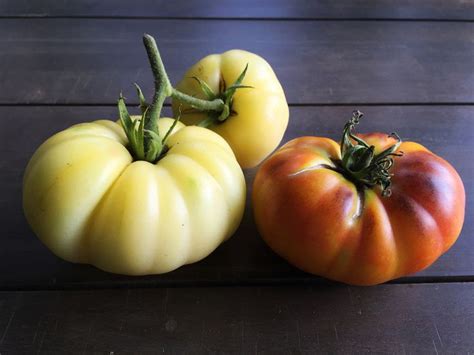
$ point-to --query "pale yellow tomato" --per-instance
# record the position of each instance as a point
(259, 115)
(89, 202)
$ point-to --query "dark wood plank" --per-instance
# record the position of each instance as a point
(390, 319)
(91, 61)
(300, 9)
(26, 263)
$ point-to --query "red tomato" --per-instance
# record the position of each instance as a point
(328, 218)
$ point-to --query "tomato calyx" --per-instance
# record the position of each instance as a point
(145, 141)
(359, 162)
(226, 94)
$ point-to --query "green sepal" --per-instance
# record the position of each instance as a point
(235, 87)
(352, 155)
(133, 129)
(239, 79)
(230, 91)
(392, 149)
(364, 157)
(125, 118)
(205, 88)
(128, 126)
(229, 94)
(143, 104)
(176, 120)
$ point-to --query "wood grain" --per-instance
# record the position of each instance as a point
(412, 319)
(51, 61)
(25, 263)
(261, 9)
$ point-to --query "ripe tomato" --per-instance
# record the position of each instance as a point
(258, 115)
(326, 215)
(88, 200)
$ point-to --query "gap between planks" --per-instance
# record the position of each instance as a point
(104, 285)
(199, 18)
(318, 104)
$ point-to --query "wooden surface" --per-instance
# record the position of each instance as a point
(244, 258)
(318, 62)
(254, 9)
(409, 65)
(389, 319)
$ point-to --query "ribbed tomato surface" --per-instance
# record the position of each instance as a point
(308, 212)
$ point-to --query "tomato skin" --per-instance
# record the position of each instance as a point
(261, 113)
(318, 220)
(89, 202)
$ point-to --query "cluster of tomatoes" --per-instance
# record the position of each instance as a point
(363, 211)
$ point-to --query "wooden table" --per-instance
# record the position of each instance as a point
(409, 65)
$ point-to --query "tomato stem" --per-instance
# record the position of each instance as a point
(145, 142)
(359, 161)
(162, 83)
(199, 104)
(163, 88)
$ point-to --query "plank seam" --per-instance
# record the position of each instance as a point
(317, 104)
(219, 283)
(199, 18)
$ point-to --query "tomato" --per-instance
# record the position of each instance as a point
(89, 202)
(258, 115)
(317, 215)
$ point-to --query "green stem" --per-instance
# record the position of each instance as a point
(202, 105)
(163, 87)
